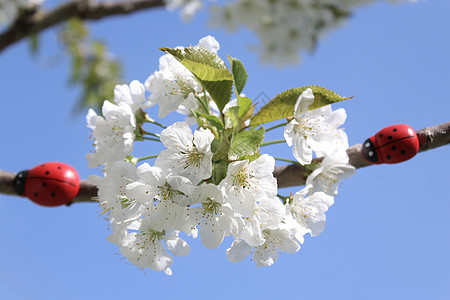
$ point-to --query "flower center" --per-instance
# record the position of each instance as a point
(166, 192)
(193, 158)
(125, 202)
(303, 214)
(210, 206)
(241, 179)
(150, 236)
(302, 127)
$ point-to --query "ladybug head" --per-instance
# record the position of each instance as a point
(19, 182)
(370, 154)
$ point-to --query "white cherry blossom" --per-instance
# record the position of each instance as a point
(267, 214)
(133, 94)
(276, 240)
(144, 245)
(187, 154)
(161, 192)
(314, 130)
(332, 170)
(215, 218)
(309, 210)
(247, 181)
(174, 87)
(112, 192)
(113, 133)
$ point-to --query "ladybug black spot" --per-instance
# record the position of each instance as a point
(35, 194)
(393, 147)
(394, 130)
(53, 194)
(403, 152)
(389, 156)
(59, 168)
(48, 172)
(44, 184)
(390, 137)
(380, 135)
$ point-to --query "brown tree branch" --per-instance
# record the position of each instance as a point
(34, 23)
(430, 138)
(289, 175)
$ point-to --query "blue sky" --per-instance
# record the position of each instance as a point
(387, 234)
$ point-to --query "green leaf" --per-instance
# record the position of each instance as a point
(215, 145)
(282, 106)
(219, 171)
(213, 120)
(199, 55)
(252, 157)
(239, 74)
(209, 69)
(245, 143)
(244, 104)
(222, 147)
(232, 117)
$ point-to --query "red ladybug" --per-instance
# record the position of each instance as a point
(391, 145)
(49, 184)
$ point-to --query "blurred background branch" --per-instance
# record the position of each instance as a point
(33, 23)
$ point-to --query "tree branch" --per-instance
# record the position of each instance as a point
(36, 22)
(289, 175)
(430, 138)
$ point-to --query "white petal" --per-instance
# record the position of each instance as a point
(211, 233)
(209, 42)
(252, 233)
(302, 152)
(177, 246)
(287, 243)
(265, 256)
(238, 251)
(177, 136)
(303, 103)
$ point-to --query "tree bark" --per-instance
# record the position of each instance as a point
(289, 175)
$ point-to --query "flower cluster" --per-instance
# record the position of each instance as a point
(10, 9)
(284, 28)
(213, 181)
(188, 7)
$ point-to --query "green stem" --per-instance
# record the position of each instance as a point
(150, 139)
(276, 126)
(288, 160)
(272, 142)
(283, 198)
(204, 103)
(146, 157)
(152, 134)
(151, 121)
